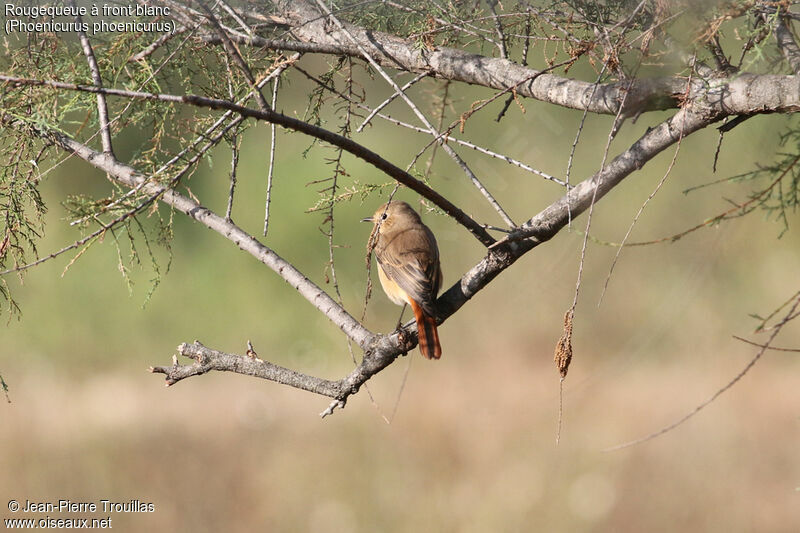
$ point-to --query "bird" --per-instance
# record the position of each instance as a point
(409, 269)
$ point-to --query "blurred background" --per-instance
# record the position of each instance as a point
(471, 446)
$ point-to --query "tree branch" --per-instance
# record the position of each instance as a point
(706, 102)
(102, 107)
(787, 44)
(380, 350)
(284, 44)
(269, 115)
(547, 223)
(311, 34)
(233, 53)
(384, 349)
(129, 177)
(436, 134)
(155, 45)
(207, 359)
(497, 73)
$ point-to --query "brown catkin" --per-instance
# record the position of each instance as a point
(564, 346)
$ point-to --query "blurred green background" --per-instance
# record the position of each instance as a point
(471, 444)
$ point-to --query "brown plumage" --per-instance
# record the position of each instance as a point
(409, 271)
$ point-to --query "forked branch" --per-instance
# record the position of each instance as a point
(379, 350)
(316, 30)
(384, 349)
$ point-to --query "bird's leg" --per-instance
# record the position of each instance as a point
(401, 333)
(400, 318)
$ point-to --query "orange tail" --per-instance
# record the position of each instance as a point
(428, 335)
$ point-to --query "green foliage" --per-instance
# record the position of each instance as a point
(150, 130)
(356, 190)
(775, 187)
(779, 192)
(21, 209)
(132, 237)
(609, 40)
(319, 96)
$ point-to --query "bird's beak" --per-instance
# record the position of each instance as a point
(368, 219)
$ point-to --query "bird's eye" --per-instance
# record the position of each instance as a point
(383, 216)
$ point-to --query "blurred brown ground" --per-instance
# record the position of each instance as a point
(472, 445)
(470, 449)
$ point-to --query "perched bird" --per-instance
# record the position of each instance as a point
(409, 267)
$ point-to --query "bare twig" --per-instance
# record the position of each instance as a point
(273, 139)
(727, 386)
(762, 326)
(444, 135)
(207, 359)
(461, 163)
(389, 100)
(642, 207)
(233, 52)
(774, 348)
(444, 23)
(234, 166)
(722, 61)
(498, 26)
(737, 210)
(102, 107)
(524, 62)
(579, 198)
(579, 132)
(333, 405)
(235, 16)
(636, 218)
(563, 351)
(155, 45)
(787, 43)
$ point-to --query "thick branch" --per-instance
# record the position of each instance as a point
(283, 44)
(308, 25)
(384, 349)
(207, 359)
(312, 33)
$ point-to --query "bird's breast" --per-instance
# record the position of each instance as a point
(392, 289)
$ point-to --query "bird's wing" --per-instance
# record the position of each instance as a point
(415, 268)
